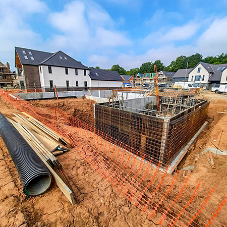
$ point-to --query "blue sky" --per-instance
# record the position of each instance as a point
(106, 32)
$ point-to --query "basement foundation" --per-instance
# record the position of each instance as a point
(156, 136)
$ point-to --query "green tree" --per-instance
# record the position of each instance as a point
(159, 65)
(133, 71)
(194, 59)
(97, 67)
(146, 68)
(119, 69)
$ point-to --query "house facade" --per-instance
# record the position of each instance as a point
(105, 79)
(6, 77)
(207, 75)
(128, 80)
(42, 70)
(224, 76)
(165, 77)
(181, 75)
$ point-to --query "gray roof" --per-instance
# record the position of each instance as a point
(126, 77)
(35, 57)
(207, 66)
(168, 74)
(217, 72)
(180, 73)
(106, 75)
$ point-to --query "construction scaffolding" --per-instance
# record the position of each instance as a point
(153, 135)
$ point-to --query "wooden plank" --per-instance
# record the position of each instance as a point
(47, 141)
(47, 130)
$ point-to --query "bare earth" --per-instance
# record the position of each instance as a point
(98, 203)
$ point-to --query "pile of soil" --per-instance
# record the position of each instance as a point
(81, 109)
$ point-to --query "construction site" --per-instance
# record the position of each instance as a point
(113, 158)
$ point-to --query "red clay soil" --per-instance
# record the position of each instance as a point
(97, 202)
(78, 108)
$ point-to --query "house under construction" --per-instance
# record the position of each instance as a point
(156, 136)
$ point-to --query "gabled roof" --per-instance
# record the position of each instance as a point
(105, 75)
(35, 57)
(126, 77)
(168, 74)
(207, 66)
(217, 69)
(31, 57)
(180, 73)
(2, 65)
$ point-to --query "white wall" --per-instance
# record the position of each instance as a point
(59, 77)
(100, 83)
(195, 73)
(223, 77)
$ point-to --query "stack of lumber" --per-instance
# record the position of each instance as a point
(46, 144)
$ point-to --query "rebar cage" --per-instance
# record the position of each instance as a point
(156, 136)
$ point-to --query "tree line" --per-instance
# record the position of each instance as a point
(181, 62)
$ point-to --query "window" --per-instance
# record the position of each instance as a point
(51, 84)
(1, 70)
(199, 70)
(226, 78)
(203, 78)
(23, 52)
(4, 77)
(66, 71)
(67, 85)
(26, 57)
(60, 57)
(65, 58)
(40, 69)
(32, 58)
(30, 52)
(76, 71)
(76, 83)
(218, 68)
(197, 78)
(85, 84)
(192, 78)
(85, 72)
(223, 68)
(49, 69)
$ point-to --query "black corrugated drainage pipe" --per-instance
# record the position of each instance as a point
(34, 175)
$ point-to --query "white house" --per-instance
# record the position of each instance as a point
(42, 70)
(105, 79)
(207, 74)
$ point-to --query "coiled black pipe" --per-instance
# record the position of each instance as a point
(34, 175)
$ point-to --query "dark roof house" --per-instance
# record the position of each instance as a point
(104, 75)
(181, 74)
(35, 57)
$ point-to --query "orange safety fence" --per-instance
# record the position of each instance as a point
(167, 199)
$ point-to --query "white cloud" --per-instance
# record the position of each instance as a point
(14, 29)
(85, 25)
(181, 32)
(177, 33)
(214, 40)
